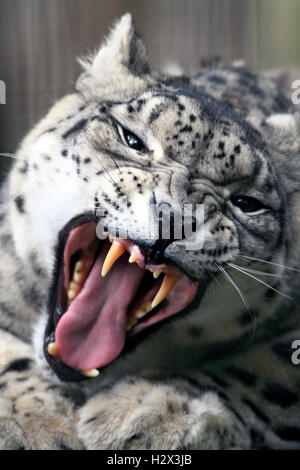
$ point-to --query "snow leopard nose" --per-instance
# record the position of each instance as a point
(171, 225)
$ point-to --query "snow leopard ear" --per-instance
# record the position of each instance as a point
(283, 135)
(122, 51)
(284, 124)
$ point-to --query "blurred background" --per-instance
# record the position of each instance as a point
(40, 39)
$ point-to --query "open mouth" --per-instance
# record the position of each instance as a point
(105, 293)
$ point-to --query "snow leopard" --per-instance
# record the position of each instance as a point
(114, 336)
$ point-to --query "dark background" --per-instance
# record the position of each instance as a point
(40, 39)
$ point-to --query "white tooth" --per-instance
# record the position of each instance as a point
(140, 314)
(116, 250)
(90, 373)
(157, 273)
(78, 277)
(78, 273)
(52, 349)
(132, 258)
(131, 323)
(72, 293)
(78, 268)
(167, 284)
(143, 310)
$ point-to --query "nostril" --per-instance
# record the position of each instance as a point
(173, 223)
(166, 234)
(155, 254)
(170, 228)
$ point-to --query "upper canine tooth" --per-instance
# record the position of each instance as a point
(116, 250)
(132, 258)
(167, 284)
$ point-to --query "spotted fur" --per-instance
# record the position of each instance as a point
(221, 375)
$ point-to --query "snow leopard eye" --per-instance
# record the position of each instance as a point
(132, 140)
(247, 204)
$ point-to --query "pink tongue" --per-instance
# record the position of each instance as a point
(92, 332)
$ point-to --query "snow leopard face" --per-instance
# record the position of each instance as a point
(97, 179)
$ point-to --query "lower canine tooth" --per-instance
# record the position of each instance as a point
(167, 284)
(90, 373)
(52, 349)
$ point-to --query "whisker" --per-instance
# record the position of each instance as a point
(228, 277)
(252, 313)
(214, 278)
(258, 280)
(11, 155)
(106, 171)
(111, 158)
(117, 166)
(270, 262)
(262, 273)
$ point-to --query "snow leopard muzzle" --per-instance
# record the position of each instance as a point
(107, 295)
